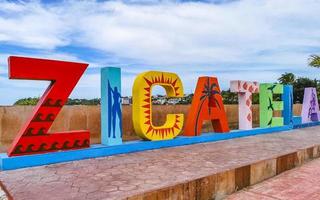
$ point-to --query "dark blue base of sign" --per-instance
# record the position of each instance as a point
(16, 162)
(305, 125)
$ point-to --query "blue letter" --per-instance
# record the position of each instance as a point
(111, 111)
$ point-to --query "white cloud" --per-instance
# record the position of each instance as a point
(32, 25)
(167, 33)
(181, 37)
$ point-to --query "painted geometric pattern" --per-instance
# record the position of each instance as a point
(33, 137)
(268, 106)
(244, 90)
(244, 86)
(142, 105)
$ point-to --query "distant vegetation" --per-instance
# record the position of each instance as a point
(27, 101)
(287, 79)
(228, 97)
(34, 101)
(314, 61)
(298, 85)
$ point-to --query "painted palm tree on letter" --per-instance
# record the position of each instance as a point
(209, 92)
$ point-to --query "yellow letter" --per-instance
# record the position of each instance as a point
(142, 105)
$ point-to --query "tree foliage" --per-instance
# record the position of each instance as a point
(299, 84)
(314, 61)
(287, 78)
(27, 101)
(34, 101)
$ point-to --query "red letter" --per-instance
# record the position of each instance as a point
(206, 105)
(33, 136)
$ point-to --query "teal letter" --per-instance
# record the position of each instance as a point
(111, 108)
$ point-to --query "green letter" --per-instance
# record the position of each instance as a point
(267, 105)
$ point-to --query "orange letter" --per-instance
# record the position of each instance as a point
(206, 105)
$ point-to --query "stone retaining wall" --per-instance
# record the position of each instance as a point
(88, 118)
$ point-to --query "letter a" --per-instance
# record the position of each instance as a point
(206, 105)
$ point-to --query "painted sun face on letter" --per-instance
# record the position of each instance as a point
(142, 105)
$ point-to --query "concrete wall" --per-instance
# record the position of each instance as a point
(88, 118)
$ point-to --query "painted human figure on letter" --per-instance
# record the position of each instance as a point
(114, 109)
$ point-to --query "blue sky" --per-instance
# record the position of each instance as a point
(254, 40)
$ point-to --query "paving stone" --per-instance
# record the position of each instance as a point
(122, 176)
(245, 195)
(296, 184)
(3, 195)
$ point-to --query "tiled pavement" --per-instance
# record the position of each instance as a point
(118, 177)
(302, 183)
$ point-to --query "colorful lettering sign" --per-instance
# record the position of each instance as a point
(310, 107)
(245, 89)
(33, 137)
(268, 105)
(206, 104)
(142, 105)
(111, 109)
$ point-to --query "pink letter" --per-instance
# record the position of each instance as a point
(244, 90)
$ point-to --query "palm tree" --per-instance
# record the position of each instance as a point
(287, 78)
(314, 61)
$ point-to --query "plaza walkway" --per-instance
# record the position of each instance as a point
(302, 183)
(200, 171)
